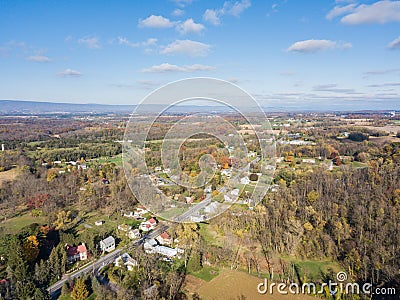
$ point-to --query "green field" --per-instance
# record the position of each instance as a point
(14, 225)
(357, 164)
(314, 269)
(210, 236)
(117, 159)
(206, 273)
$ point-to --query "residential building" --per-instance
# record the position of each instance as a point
(308, 160)
(126, 260)
(245, 180)
(164, 239)
(76, 253)
(134, 234)
(108, 244)
(211, 208)
(148, 225)
(166, 251)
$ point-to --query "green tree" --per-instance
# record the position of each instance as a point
(40, 295)
(312, 197)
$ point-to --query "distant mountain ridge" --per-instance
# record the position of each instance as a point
(36, 107)
(26, 107)
(15, 107)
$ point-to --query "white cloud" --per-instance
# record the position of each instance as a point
(186, 47)
(390, 84)
(182, 3)
(122, 85)
(311, 46)
(332, 88)
(149, 83)
(189, 26)
(90, 42)
(379, 12)
(236, 8)
(156, 22)
(14, 43)
(344, 1)
(381, 72)
(340, 10)
(211, 16)
(198, 67)
(150, 42)
(178, 12)
(233, 80)
(70, 73)
(146, 43)
(166, 67)
(39, 58)
(395, 44)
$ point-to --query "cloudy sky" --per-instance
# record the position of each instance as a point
(339, 54)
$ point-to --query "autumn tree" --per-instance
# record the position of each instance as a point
(79, 292)
(31, 248)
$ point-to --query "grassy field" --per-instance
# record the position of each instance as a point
(14, 225)
(172, 212)
(314, 270)
(210, 236)
(117, 159)
(206, 273)
(357, 164)
(8, 175)
(234, 284)
(109, 222)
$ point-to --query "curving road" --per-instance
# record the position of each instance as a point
(103, 261)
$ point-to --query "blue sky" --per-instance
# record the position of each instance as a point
(312, 54)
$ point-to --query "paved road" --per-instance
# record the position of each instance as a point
(105, 260)
(94, 267)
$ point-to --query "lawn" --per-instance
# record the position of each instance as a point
(14, 225)
(314, 270)
(210, 236)
(117, 159)
(171, 213)
(109, 221)
(357, 164)
(206, 273)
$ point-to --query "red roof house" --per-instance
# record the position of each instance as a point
(76, 253)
